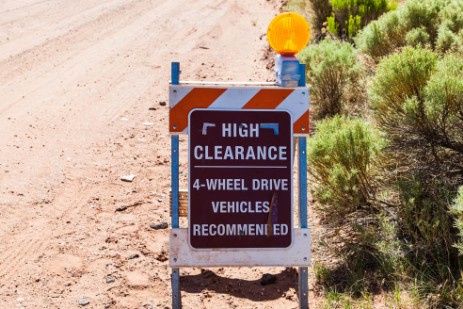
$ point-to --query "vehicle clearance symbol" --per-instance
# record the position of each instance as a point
(240, 185)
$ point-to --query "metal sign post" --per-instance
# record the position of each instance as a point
(175, 277)
(240, 198)
(303, 286)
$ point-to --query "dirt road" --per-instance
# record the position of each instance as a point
(83, 87)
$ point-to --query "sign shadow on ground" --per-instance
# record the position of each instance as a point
(208, 280)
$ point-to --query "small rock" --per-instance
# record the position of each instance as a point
(121, 208)
(133, 256)
(84, 301)
(162, 257)
(268, 279)
(110, 279)
(162, 103)
(159, 226)
(152, 108)
(128, 178)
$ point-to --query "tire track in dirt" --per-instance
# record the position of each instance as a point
(8, 217)
(19, 7)
(37, 235)
(82, 58)
(32, 30)
(64, 13)
(77, 42)
(15, 257)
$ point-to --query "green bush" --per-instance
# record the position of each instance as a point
(400, 80)
(349, 16)
(443, 105)
(418, 37)
(450, 34)
(434, 23)
(381, 37)
(422, 14)
(418, 100)
(426, 227)
(333, 71)
(341, 156)
(427, 235)
(457, 210)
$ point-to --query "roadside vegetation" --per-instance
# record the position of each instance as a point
(386, 157)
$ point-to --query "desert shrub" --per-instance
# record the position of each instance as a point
(450, 31)
(447, 40)
(417, 101)
(457, 210)
(422, 14)
(333, 71)
(435, 23)
(426, 227)
(443, 105)
(381, 37)
(341, 156)
(400, 79)
(418, 37)
(349, 16)
(427, 235)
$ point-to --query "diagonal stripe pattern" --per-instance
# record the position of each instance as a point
(183, 98)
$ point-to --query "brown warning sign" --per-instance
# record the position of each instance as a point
(240, 179)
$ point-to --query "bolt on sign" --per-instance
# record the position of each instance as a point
(240, 179)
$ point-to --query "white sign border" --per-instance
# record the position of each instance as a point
(181, 254)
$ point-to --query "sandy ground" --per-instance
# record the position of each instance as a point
(83, 87)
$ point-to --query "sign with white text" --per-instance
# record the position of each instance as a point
(240, 179)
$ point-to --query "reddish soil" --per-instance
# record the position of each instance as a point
(83, 93)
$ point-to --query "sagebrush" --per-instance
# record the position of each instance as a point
(435, 24)
(341, 158)
(417, 101)
(334, 73)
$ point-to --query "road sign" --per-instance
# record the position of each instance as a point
(240, 179)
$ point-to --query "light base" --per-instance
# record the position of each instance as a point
(287, 70)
